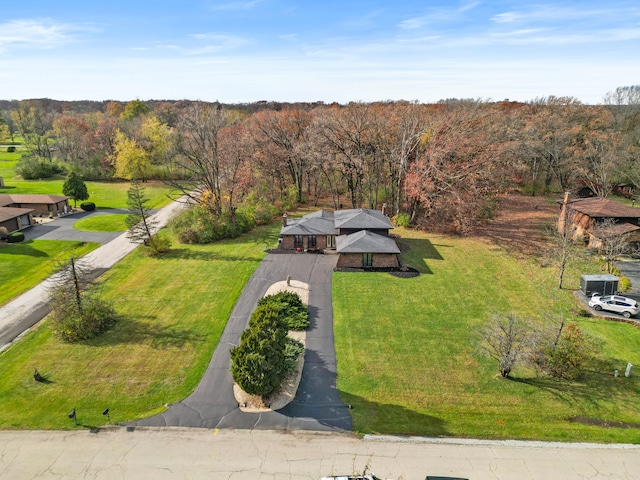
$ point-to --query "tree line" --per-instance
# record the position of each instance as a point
(435, 165)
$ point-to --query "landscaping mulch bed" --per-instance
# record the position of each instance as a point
(596, 422)
(402, 272)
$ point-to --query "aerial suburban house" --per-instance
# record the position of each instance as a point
(17, 210)
(586, 213)
(360, 236)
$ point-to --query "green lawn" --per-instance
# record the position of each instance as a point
(408, 361)
(23, 265)
(103, 194)
(102, 223)
(174, 309)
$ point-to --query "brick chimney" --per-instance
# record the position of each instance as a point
(567, 195)
(284, 220)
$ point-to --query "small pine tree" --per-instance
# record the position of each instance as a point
(140, 227)
(75, 188)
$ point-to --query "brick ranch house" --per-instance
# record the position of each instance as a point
(359, 236)
(17, 211)
(587, 213)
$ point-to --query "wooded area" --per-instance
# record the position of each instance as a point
(439, 165)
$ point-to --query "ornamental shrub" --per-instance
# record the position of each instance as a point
(72, 324)
(624, 284)
(293, 312)
(198, 225)
(403, 220)
(258, 363)
(292, 350)
(15, 237)
(11, 149)
(159, 244)
(31, 168)
(88, 206)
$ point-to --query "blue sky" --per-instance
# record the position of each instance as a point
(285, 50)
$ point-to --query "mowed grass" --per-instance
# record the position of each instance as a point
(102, 223)
(23, 265)
(103, 194)
(174, 309)
(408, 360)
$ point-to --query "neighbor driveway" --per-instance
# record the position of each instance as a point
(63, 228)
(317, 405)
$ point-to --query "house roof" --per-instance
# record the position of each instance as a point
(5, 200)
(603, 207)
(316, 223)
(361, 218)
(7, 213)
(619, 229)
(8, 199)
(365, 241)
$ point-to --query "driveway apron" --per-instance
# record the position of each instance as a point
(317, 405)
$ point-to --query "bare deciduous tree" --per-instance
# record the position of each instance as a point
(505, 338)
(609, 238)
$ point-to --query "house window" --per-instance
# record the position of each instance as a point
(311, 241)
(367, 259)
(297, 241)
(331, 241)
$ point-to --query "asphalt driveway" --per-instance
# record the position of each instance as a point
(317, 405)
(63, 228)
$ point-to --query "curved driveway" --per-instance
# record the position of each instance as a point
(317, 405)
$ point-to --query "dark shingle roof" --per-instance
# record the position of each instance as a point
(42, 198)
(603, 207)
(360, 218)
(316, 223)
(7, 213)
(365, 241)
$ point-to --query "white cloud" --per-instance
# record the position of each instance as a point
(234, 5)
(215, 42)
(437, 15)
(38, 34)
(562, 14)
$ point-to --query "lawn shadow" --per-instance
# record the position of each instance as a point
(415, 252)
(206, 255)
(594, 388)
(383, 418)
(24, 248)
(146, 330)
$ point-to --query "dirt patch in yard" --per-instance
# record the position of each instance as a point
(603, 423)
(519, 223)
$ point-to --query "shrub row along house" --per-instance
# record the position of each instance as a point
(360, 236)
(17, 211)
(586, 214)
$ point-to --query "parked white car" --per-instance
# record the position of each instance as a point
(614, 303)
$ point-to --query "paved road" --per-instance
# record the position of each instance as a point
(267, 455)
(631, 269)
(23, 312)
(317, 405)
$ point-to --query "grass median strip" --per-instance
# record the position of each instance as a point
(174, 309)
(408, 360)
(102, 223)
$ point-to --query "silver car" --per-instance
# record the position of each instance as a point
(614, 303)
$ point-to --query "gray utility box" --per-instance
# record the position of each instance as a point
(603, 284)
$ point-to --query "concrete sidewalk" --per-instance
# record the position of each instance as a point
(23, 312)
(158, 454)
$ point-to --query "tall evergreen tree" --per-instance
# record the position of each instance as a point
(75, 188)
(138, 219)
